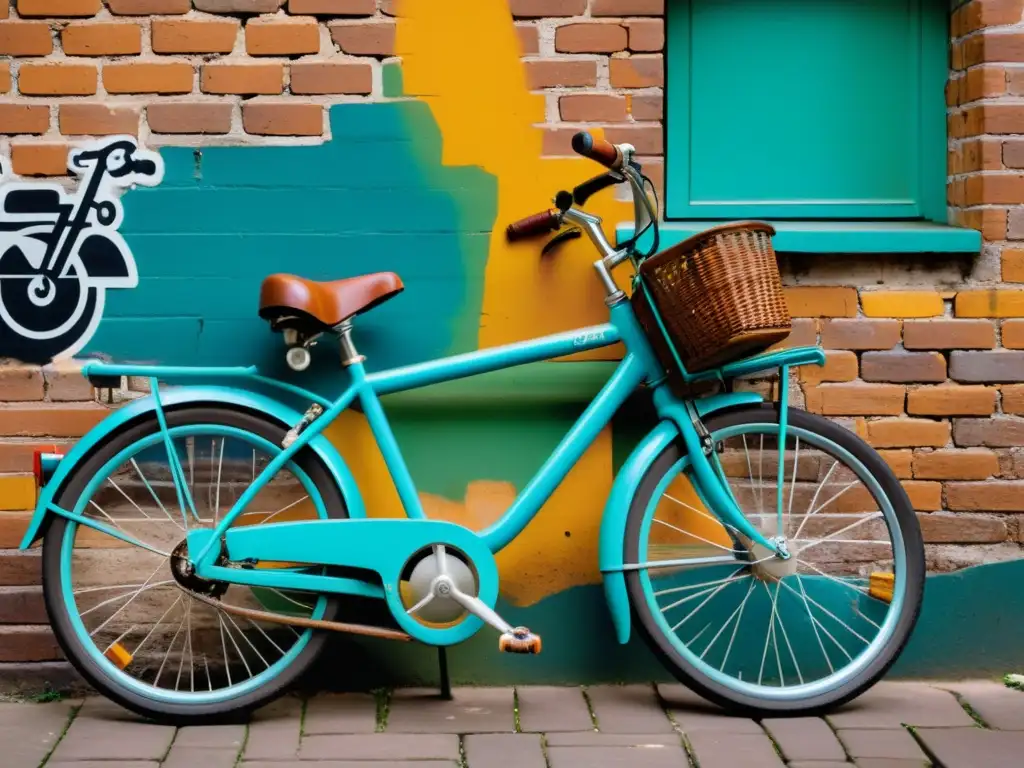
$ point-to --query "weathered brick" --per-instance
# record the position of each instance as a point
(148, 77)
(35, 159)
(804, 332)
(646, 139)
(194, 36)
(902, 303)
(646, 106)
(858, 399)
(1015, 224)
(283, 119)
(19, 568)
(189, 117)
(902, 366)
(5, 77)
(991, 222)
(981, 83)
(557, 142)
(24, 118)
(907, 433)
(28, 643)
(646, 35)
(1012, 262)
(58, 8)
(987, 496)
(92, 119)
(322, 77)
(1012, 333)
(365, 38)
(246, 79)
(949, 334)
(810, 301)
(952, 400)
(637, 72)
(22, 605)
(993, 47)
(627, 7)
(965, 464)
(990, 303)
(21, 382)
(961, 529)
(17, 456)
(860, 334)
(529, 39)
(65, 383)
(1013, 398)
(972, 16)
(925, 496)
(535, 9)
(552, 73)
(247, 7)
(592, 108)
(899, 461)
(44, 420)
(590, 37)
(1013, 154)
(1003, 188)
(282, 36)
(332, 7)
(57, 79)
(839, 366)
(102, 39)
(995, 366)
(981, 155)
(994, 432)
(149, 7)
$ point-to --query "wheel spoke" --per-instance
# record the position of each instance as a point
(247, 640)
(152, 493)
(699, 538)
(285, 508)
(706, 600)
(785, 636)
(829, 613)
(831, 536)
(220, 467)
(725, 624)
(736, 627)
(170, 648)
(226, 628)
(814, 499)
(700, 512)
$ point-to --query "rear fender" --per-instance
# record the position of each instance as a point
(212, 395)
(611, 552)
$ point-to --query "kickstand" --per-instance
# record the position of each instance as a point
(442, 664)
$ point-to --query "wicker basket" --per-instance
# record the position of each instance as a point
(718, 295)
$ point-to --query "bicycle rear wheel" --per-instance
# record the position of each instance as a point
(121, 612)
(764, 635)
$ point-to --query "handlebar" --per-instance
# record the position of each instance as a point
(598, 150)
(537, 224)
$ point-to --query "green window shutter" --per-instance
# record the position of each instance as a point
(803, 109)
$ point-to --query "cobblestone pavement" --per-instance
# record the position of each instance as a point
(895, 725)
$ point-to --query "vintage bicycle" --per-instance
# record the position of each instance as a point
(200, 542)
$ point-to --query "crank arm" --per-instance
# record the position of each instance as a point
(478, 608)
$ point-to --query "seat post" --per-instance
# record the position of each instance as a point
(349, 355)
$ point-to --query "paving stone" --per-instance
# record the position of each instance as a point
(820, 764)
(629, 709)
(1000, 707)
(99, 764)
(692, 713)
(891, 705)
(613, 740)
(210, 737)
(551, 710)
(885, 762)
(274, 731)
(721, 749)
(199, 757)
(381, 746)
(654, 756)
(92, 738)
(889, 743)
(804, 738)
(973, 747)
(341, 764)
(471, 710)
(340, 713)
(498, 750)
(29, 731)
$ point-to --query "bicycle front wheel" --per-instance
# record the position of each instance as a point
(123, 609)
(751, 631)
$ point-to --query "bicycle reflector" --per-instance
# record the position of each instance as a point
(44, 463)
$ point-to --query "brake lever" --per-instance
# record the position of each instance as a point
(572, 233)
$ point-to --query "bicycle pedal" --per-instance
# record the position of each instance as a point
(519, 640)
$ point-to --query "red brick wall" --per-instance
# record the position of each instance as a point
(925, 353)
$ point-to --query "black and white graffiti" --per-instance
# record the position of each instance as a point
(60, 251)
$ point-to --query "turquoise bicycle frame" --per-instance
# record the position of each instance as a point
(679, 420)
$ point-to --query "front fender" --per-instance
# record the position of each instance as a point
(611, 554)
(190, 395)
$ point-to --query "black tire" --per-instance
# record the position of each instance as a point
(177, 714)
(913, 544)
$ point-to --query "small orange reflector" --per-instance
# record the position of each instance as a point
(118, 655)
(881, 586)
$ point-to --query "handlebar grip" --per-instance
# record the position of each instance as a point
(537, 224)
(598, 150)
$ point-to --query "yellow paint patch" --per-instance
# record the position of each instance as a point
(465, 64)
(881, 586)
(990, 303)
(902, 304)
(17, 492)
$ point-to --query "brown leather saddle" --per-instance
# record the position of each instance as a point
(312, 307)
